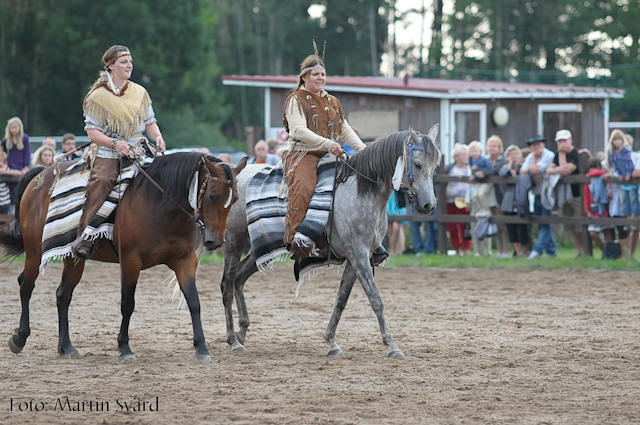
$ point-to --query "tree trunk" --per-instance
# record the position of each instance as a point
(435, 50)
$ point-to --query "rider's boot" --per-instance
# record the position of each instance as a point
(83, 248)
(379, 256)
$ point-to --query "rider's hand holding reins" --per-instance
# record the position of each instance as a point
(122, 147)
(160, 144)
(336, 149)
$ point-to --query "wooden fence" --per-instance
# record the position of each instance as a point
(440, 182)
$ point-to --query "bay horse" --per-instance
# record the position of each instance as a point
(357, 228)
(151, 227)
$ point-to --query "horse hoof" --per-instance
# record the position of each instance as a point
(203, 358)
(335, 352)
(396, 354)
(125, 357)
(75, 354)
(15, 348)
(237, 347)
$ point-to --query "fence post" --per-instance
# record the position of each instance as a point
(441, 196)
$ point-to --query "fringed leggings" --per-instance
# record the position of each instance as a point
(301, 179)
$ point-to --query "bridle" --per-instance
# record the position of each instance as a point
(203, 188)
(410, 150)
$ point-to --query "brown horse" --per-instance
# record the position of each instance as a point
(151, 227)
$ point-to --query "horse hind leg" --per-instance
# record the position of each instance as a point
(70, 279)
(26, 281)
(232, 252)
(346, 285)
(247, 268)
(365, 275)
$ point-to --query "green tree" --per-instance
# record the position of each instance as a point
(56, 58)
(576, 41)
(272, 37)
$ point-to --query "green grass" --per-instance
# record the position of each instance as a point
(212, 258)
(566, 259)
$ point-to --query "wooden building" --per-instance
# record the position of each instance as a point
(466, 110)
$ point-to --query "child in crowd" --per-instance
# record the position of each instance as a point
(477, 162)
(482, 196)
(621, 159)
(5, 197)
(596, 204)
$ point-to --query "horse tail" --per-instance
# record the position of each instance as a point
(11, 236)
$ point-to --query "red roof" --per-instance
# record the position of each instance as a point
(432, 85)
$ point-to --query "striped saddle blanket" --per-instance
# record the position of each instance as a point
(65, 210)
(267, 209)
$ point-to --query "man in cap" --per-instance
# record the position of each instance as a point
(536, 163)
(565, 163)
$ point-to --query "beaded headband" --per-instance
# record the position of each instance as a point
(116, 58)
(320, 68)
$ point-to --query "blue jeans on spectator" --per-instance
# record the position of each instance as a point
(629, 204)
(430, 242)
(546, 240)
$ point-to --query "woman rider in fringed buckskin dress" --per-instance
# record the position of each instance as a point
(314, 120)
(117, 112)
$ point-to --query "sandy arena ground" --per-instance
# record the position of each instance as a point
(482, 346)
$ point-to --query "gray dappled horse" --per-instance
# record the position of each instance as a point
(358, 226)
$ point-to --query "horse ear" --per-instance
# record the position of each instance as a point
(433, 134)
(241, 165)
(414, 136)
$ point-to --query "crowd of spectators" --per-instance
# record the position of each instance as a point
(542, 196)
(469, 196)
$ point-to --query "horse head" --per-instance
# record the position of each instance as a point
(217, 194)
(418, 164)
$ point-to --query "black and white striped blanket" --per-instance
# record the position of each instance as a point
(267, 209)
(65, 210)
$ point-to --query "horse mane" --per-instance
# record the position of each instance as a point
(174, 174)
(378, 161)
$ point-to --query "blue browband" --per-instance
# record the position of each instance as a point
(411, 149)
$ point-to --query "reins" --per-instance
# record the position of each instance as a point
(411, 148)
(195, 216)
(345, 162)
(144, 173)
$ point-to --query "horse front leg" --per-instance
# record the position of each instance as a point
(247, 268)
(70, 279)
(26, 281)
(186, 275)
(364, 272)
(130, 271)
(346, 285)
